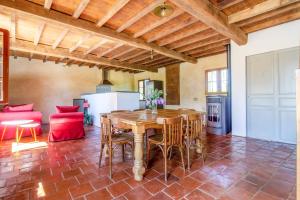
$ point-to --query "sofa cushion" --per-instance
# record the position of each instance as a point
(18, 108)
(67, 109)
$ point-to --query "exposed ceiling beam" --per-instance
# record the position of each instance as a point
(158, 23)
(60, 38)
(144, 56)
(118, 6)
(79, 42)
(213, 51)
(36, 11)
(46, 50)
(48, 4)
(13, 26)
(211, 16)
(176, 27)
(39, 33)
(129, 49)
(110, 49)
(188, 31)
(80, 8)
(258, 9)
(228, 3)
(133, 55)
(139, 15)
(270, 15)
(201, 43)
(96, 46)
(210, 46)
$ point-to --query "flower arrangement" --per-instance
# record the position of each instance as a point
(153, 99)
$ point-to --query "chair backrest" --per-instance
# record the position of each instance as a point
(194, 126)
(116, 111)
(106, 129)
(173, 132)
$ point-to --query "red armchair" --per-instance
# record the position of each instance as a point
(10, 132)
(66, 126)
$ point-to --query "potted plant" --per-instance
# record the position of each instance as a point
(153, 99)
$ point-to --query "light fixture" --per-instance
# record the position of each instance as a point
(151, 55)
(163, 10)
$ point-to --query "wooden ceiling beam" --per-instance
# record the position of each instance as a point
(140, 15)
(60, 38)
(269, 15)
(228, 3)
(79, 42)
(39, 33)
(149, 60)
(80, 8)
(208, 47)
(129, 49)
(46, 50)
(211, 51)
(171, 30)
(201, 43)
(139, 57)
(13, 26)
(36, 11)
(96, 46)
(110, 49)
(258, 9)
(181, 34)
(163, 64)
(48, 4)
(158, 23)
(118, 6)
(212, 17)
(133, 55)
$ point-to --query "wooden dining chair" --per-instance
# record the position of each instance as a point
(172, 136)
(112, 141)
(194, 136)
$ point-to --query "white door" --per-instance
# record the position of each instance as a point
(271, 95)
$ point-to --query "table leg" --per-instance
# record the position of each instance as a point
(17, 135)
(22, 130)
(34, 133)
(3, 132)
(138, 168)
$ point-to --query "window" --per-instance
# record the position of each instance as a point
(216, 81)
(142, 86)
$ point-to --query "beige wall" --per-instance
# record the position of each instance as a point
(49, 84)
(192, 80)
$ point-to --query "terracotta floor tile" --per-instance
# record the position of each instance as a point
(175, 191)
(154, 186)
(137, 194)
(80, 190)
(236, 168)
(279, 189)
(199, 195)
(102, 194)
(119, 188)
(160, 196)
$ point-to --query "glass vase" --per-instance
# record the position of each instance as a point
(154, 108)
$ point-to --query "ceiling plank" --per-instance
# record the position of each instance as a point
(36, 11)
(118, 6)
(158, 23)
(48, 4)
(170, 30)
(60, 38)
(39, 33)
(211, 16)
(13, 26)
(133, 56)
(110, 49)
(269, 15)
(79, 42)
(211, 51)
(96, 46)
(228, 3)
(283, 18)
(188, 31)
(46, 50)
(210, 46)
(80, 8)
(258, 9)
(139, 15)
(129, 49)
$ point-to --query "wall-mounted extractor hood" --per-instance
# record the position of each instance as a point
(105, 84)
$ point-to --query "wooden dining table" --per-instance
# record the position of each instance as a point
(139, 122)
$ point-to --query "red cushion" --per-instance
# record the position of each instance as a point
(19, 108)
(67, 109)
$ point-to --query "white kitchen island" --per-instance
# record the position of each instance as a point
(101, 103)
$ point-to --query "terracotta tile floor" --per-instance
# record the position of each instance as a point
(236, 169)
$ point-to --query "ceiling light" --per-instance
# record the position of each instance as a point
(163, 10)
